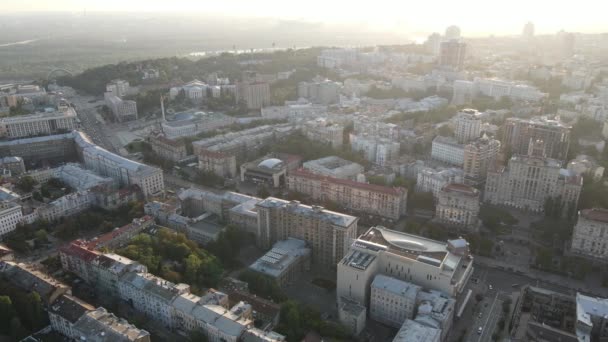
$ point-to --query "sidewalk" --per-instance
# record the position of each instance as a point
(554, 279)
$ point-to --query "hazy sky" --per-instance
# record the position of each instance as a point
(475, 17)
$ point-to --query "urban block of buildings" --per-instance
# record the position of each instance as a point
(62, 120)
(520, 134)
(590, 234)
(383, 201)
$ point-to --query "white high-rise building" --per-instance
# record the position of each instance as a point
(468, 125)
(433, 180)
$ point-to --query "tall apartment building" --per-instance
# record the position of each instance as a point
(123, 110)
(431, 264)
(468, 125)
(520, 133)
(458, 206)
(328, 233)
(256, 95)
(324, 92)
(60, 121)
(452, 54)
(392, 301)
(447, 150)
(529, 181)
(590, 235)
(390, 202)
(478, 156)
(118, 88)
(10, 217)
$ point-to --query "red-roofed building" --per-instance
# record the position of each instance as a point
(367, 198)
(120, 236)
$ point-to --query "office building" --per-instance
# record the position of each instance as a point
(479, 155)
(447, 150)
(431, 264)
(58, 121)
(255, 95)
(520, 133)
(118, 88)
(452, 54)
(123, 110)
(590, 234)
(529, 181)
(458, 206)
(285, 262)
(327, 233)
(467, 125)
(392, 301)
(383, 201)
(334, 167)
(10, 217)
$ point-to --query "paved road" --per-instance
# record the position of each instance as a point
(88, 118)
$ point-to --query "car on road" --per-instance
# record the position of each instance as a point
(479, 330)
(490, 287)
(480, 315)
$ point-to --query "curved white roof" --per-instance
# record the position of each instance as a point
(270, 163)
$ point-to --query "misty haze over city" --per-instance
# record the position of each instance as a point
(273, 171)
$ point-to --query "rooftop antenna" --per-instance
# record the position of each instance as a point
(162, 110)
